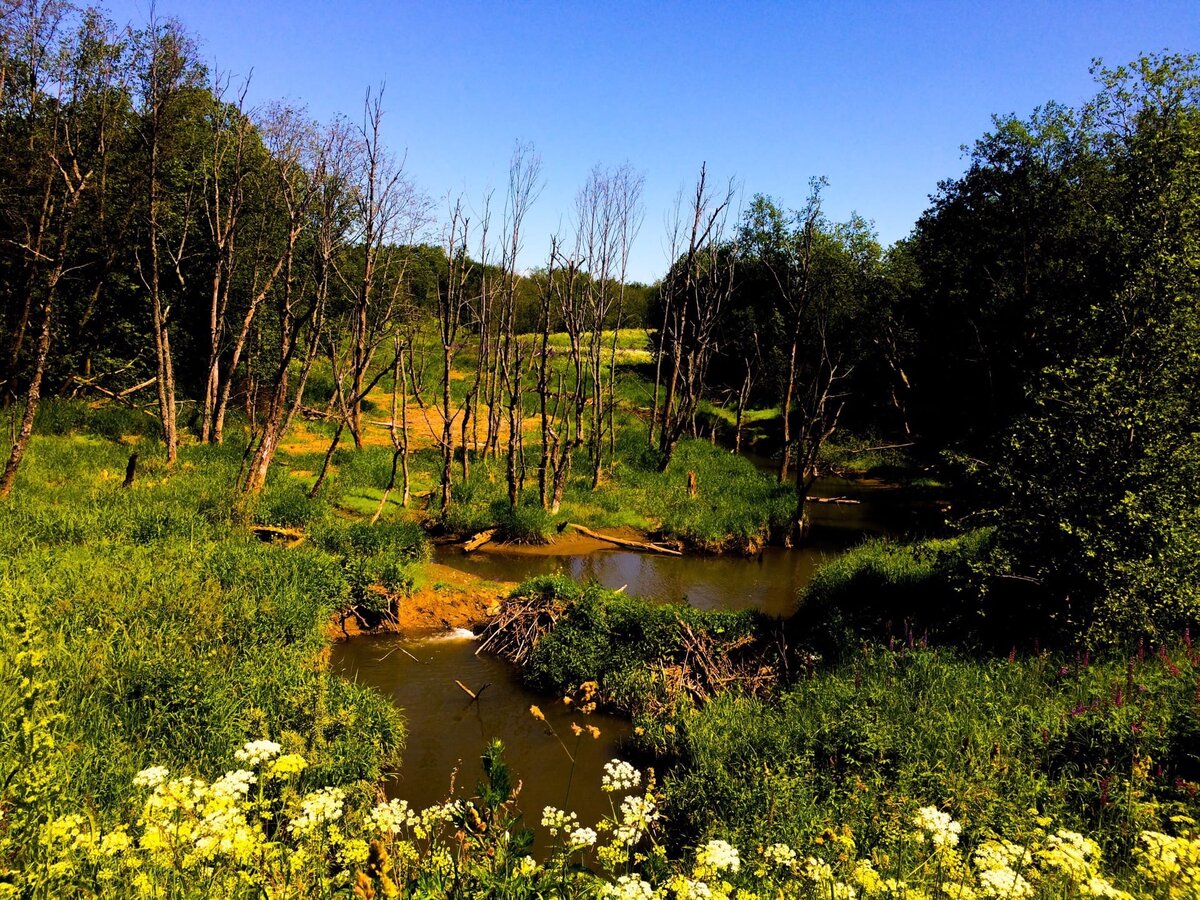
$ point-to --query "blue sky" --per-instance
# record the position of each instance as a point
(877, 97)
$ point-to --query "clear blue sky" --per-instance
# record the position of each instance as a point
(878, 97)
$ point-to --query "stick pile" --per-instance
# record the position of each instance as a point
(521, 623)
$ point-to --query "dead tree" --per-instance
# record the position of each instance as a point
(627, 201)
(524, 176)
(791, 266)
(562, 421)
(314, 195)
(695, 291)
(390, 211)
(453, 311)
(227, 170)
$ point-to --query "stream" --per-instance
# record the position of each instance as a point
(446, 730)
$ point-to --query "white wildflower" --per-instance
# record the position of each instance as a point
(151, 777)
(941, 829)
(255, 753)
(581, 838)
(718, 856)
(318, 808)
(556, 820)
(619, 776)
(392, 817)
(629, 887)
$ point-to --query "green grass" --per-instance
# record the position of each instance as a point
(172, 635)
(1106, 746)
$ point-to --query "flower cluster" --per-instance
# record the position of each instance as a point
(392, 817)
(286, 766)
(317, 809)
(718, 856)
(251, 824)
(630, 887)
(619, 776)
(255, 753)
(779, 855)
(938, 826)
(637, 816)
(151, 777)
(555, 820)
(1170, 862)
(581, 838)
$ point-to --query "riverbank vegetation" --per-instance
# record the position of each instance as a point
(248, 374)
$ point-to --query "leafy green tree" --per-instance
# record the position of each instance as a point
(1058, 333)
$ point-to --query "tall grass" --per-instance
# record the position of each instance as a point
(1106, 746)
(172, 633)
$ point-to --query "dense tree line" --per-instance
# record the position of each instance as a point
(1057, 321)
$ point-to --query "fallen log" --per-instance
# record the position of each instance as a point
(290, 536)
(479, 540)
(845, 500)
(625, 542)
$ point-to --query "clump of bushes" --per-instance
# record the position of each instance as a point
(950, 590)
(638, 653)
(527, 524)
(737, 507)
(380, 561)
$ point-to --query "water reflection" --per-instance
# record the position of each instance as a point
(770, 582)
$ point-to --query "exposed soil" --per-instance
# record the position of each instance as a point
(447, 599)
(425, 428)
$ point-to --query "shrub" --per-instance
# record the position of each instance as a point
(617, 641)
(405, 540)
(527, 524)
(928, 590)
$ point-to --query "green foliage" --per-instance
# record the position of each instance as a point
(618, 642)
(62, 417)
(347, 538)
(737, 506)
(928, 590)
(549, 587)
(172, 636)
(285, 502)
(1060, 329)
(1098, 745)
(529, 523)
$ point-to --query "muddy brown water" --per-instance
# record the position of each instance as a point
(446, 731)
(770, 582)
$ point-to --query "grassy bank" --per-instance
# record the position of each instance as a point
(152, 642)
(142, 626)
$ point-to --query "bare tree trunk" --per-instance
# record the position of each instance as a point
(447, 431)
(785, 411)
(543, 379)
(223, 205)
(32, 396)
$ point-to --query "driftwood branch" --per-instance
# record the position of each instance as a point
(625, 542)
(289, 536)
(479, 540)
(882, 447)
(121, 396)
